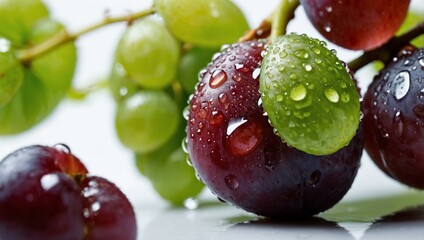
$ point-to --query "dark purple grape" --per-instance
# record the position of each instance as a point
(108, 213)
(38, 200)
(237, 155)
(45, 193)
(394, 118)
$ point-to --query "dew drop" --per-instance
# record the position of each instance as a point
(398, 124)
(317, 51)
(186, 112)
(421, 61)
(329, 9)
(327, 27)
(232, 182)
(279, 98)
(332, 95)
(308, 67)
(95, 207)
(217, 79)
(217, 118)
(256, 73)
(345, 97)
(184, 145)
(298, 93)
(401, 85)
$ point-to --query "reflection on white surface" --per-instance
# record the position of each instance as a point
(375, 208)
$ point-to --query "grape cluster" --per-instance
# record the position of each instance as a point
(156, 67)
(274, 123)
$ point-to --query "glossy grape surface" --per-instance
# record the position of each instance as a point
(146, 120)
(169, 172)
(108, 213)
(357, 25)
(237, 155)
(207, 23)
(38, 200)
(149, 54)
(394, 118)
(45, 193)
(309, 95)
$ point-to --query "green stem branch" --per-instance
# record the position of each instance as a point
(64, 37)
(388, 50)
(282, 17)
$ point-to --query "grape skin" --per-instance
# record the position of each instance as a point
(237, 155)
(356, 25)
(393, 119)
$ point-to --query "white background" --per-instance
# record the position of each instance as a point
(87, 127)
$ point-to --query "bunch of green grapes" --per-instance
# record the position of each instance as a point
(30, 89)
(156, 67)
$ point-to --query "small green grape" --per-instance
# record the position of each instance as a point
(149, 54)
(190, 65)
(46, 81)
(119, 84)
(308, 94)
(146, 120)
(18, 17)
(168, 171)
(207, 23)
(11, 73)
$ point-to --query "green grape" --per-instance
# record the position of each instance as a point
(190, 65)
(11, 73)
(149, 54)
(46, 81)
(17, 18)
(309, 96)
(208, 23)
(146, 120)
(168, 171)
(119, 84)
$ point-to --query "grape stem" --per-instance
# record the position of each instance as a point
(62, 37)
(282, 16)
(385, 52)
(274, 25)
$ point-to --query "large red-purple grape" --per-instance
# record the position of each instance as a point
(237, 155)
(394, 118)
(356, 24)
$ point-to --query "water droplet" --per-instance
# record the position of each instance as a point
(421, 61)
(234, 124)
(48, 181)
(95, 207)
(315, 177)
(398, 124)
(243, 136)
(317, 51)
(239, 65)
(191, 203)
(332, 95)
(328, 9)
(298, 93)
(293, 76)
(217, 118)
(308, 67)
(186, 112)
(279, 98)
(408, 63)
(217, 79)
(345, 97)
(232, 182)
(256, 73)
(215, 56)
(327, 27)
(4, 45)
(318, 61)
(401, 85)
(282, 54)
